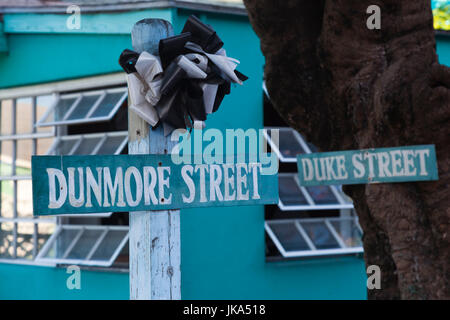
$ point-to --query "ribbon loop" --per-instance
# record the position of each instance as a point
(203, 34)
(172, 47)
(186, 82)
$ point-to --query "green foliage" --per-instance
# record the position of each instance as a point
(441, 17)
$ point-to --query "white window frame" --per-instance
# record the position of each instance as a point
(87, 118)
(276, 149)
(264, 87)
(33, 91)
(14, 178)
(313, 251)
(85, 262)
(81, 137)
(342, 204)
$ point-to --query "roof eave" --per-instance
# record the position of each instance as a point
(121, 7)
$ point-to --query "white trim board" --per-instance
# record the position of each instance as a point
(112, 79)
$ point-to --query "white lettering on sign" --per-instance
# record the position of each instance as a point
(341, 173)
(164, 182)
(133, 171)
(187, 172)
(54, 174)
(373, 164)
(149, 185)
(112, 189)
(215, 181)
(253, 167)
(74, 201)
(308, 173)
(94, 185)
(408, 163)
(358, 172)
(129, 186)
(422, 154)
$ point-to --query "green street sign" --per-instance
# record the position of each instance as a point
(93, 184)
(388, 165)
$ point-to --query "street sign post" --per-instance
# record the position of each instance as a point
(384, 165)
(155, 252)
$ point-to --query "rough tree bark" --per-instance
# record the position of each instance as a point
(347, 87)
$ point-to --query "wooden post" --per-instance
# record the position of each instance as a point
(154, 235)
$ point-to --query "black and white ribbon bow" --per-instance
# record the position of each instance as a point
(185, 83)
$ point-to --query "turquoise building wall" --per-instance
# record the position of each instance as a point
(19, 282)
(223, 254)
(443, 48)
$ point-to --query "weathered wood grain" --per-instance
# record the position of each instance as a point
(154, 235)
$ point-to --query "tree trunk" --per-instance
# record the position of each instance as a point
(347, 87)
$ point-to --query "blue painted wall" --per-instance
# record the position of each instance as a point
(37, 58)
(443, 48)
(223, 255)
(32, 282)
(42, 49)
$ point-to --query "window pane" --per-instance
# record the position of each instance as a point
(320, 235)
(84, 106)
(62, 242)
(6, 158)
(322, 195)
(6, 240)
(349, 232)
(289, 191)
(87, 146)
(43, 103)
(24, 199)
(23, 160)
(61, 109)
(64, 147)
(43, 145)
(25, 231)
(105, 109)
(23, 116)
(45, 230)
(7, 190)
(289, 146)
(84, 244)
(109, 245)
(6, 116)
(111, 144)
(289, 237)
(107, 104)
(123, 258)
